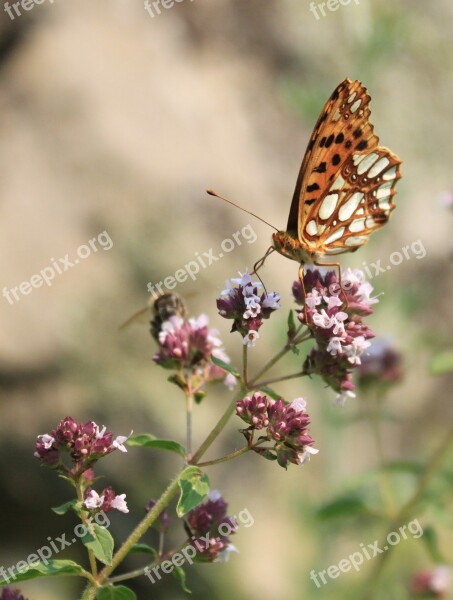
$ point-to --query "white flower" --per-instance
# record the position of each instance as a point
(228, 291)
(334, 347)
(271, 300)
(99, 433)
(171, 326)
(119, 502)
(93, 500)
(230, 381)
(225, 554)
(341, 398)
(339, 325)
(47, 440)
(356, 348)
(243, 280)
(323, 320)
(119, 442)
(250, 339)
(332, 301)
(307, 453)
(313, 299)
(299, 404)
(214, 495)
(440, 579)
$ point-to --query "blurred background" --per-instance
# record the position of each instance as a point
(114, 120)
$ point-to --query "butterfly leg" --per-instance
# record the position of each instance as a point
(301, 273)
(345, 298)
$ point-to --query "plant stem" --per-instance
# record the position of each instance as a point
(226, 458)
(219, 427)
(407, 510)
(189, 408)
(91, 557)
(244, 365)
(286, 348)
(261, 384)
(141, 528)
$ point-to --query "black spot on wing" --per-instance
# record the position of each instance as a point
(362, 145)
(348, 144)
(321, 168)
(330, 140)
(313, 187)
(310, 201)
(322, 143)
(358, 133)
(339, 139)
(336, 159)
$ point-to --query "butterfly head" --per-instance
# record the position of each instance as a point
(288, 245)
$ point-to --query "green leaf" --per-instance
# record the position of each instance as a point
(143, 549)
(53, 568)
(442, 363)
(180, 575)
(226, 366)
(100, 542)
(291, 325)
(146, 440)
(194, 487)
(116, 592)
(431, 542)
(346, 506)
(199, 396)
(270, 392)
(64, 508)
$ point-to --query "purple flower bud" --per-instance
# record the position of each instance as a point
(247, 307)
(9, 594)
(253, 410)
(210, 528)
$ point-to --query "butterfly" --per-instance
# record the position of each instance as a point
(346, 183)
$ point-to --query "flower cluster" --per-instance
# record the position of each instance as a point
(9, 594)
(85, 444)
(246, 307)
(334, 314)
(434, 583)
(189, 344)
(209, 527)
(286, 426)
(108, 500)
(381, 365)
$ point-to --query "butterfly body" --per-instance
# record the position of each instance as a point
(346, 182)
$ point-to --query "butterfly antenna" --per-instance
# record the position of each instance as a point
(212, 193)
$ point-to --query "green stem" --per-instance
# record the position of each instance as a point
(261, 384)
(407, 510)
(244, 364)
(143, 570)
(189, 408)
(91, 557)
(286, 348)
(141, 528)
(226, 458)
(219, 426)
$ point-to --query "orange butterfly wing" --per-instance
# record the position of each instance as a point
(346, 182)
